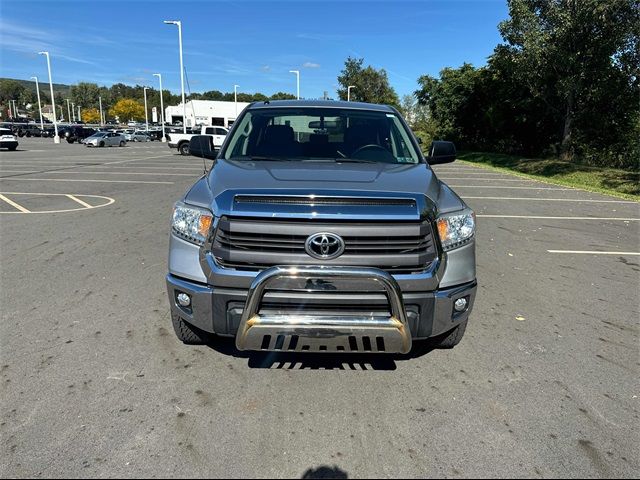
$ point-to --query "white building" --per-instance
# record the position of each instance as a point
(205, 112)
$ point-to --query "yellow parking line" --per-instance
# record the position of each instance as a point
(76, 199)
(14, 204)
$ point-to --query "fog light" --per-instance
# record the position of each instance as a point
(184, 300)
(460, 305)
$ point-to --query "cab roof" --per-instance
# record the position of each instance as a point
(321, 104)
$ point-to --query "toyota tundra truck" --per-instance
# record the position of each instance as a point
(321, 227)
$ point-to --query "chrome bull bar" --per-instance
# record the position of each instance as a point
(324, 333)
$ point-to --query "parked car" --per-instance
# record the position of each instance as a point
(105, 139)
(301, 240)
(7, 139)
(75, 133)
(139, 136)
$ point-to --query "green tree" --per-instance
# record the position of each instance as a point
(579, 57)
(371, 85)
(282, 96)
(127, 109)
(85, 94)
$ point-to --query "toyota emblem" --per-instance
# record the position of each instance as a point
(325, 246)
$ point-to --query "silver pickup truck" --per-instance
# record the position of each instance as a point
(321, 227)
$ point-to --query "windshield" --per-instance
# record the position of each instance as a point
(299, 133)
(98, 135)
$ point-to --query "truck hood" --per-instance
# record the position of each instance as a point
(374, 180)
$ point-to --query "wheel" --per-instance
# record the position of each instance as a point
(122, 143)
(187, 333)
(12, 148)
(28, 134)
(184, 149)
(70, 140)
(102, 144)
(453, 338)
(148, 140)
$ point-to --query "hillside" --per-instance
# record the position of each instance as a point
(44, 85)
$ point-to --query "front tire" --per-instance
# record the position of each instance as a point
(122, 143)
(188, 334)
(184, 149)
(101, 144)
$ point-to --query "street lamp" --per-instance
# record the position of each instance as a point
(235, 98)
(349, 92)
(68, 111)
(79, 117)
(39, 105)
(101, 118)
(56, 137)
(297, 72)
(15, 110)
(73, 111)
(146, 116)
(184, 105)
(164, 139)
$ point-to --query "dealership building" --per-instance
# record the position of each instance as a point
(205, 112)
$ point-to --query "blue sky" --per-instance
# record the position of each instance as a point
(252, 44)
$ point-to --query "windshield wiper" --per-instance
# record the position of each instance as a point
(354, 160)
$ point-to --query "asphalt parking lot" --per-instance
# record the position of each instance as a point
(95, 384)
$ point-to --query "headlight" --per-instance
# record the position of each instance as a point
(456, 230)
(191, 223)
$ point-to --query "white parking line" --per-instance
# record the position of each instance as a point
(590, 252)
(489, 179)
(542, 217)
(518, 188)
(84, 172)
(14, 179)
(533, 199)
(81, 202)
(14, 204)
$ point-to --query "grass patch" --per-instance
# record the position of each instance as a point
(611, 181)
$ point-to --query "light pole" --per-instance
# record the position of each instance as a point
(15, 110)
(164, 139)
(56, 137)
(39, 105)
(73, 111)
(349, 92)
(68, 111)
(146, 116)
(79, 117)
(297, 72)
(184, 105)
(235, 98)
(101, 119)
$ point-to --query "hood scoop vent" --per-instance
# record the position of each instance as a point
(331, 201)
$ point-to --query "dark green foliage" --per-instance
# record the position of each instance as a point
(371, 85)
(565, 82)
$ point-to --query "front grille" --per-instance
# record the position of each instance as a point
(257, 244)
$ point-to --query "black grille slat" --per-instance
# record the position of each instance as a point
(326, 201)
(258, 244)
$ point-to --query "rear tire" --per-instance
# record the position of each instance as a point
(184, 149)
(102, 144)
(453, 338)
(122, 144)
(11, 149)
(188, 334)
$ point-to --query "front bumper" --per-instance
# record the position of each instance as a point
(294, 309)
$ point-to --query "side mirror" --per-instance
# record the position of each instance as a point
(419, 140)
(441, 152)
(202, 146)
